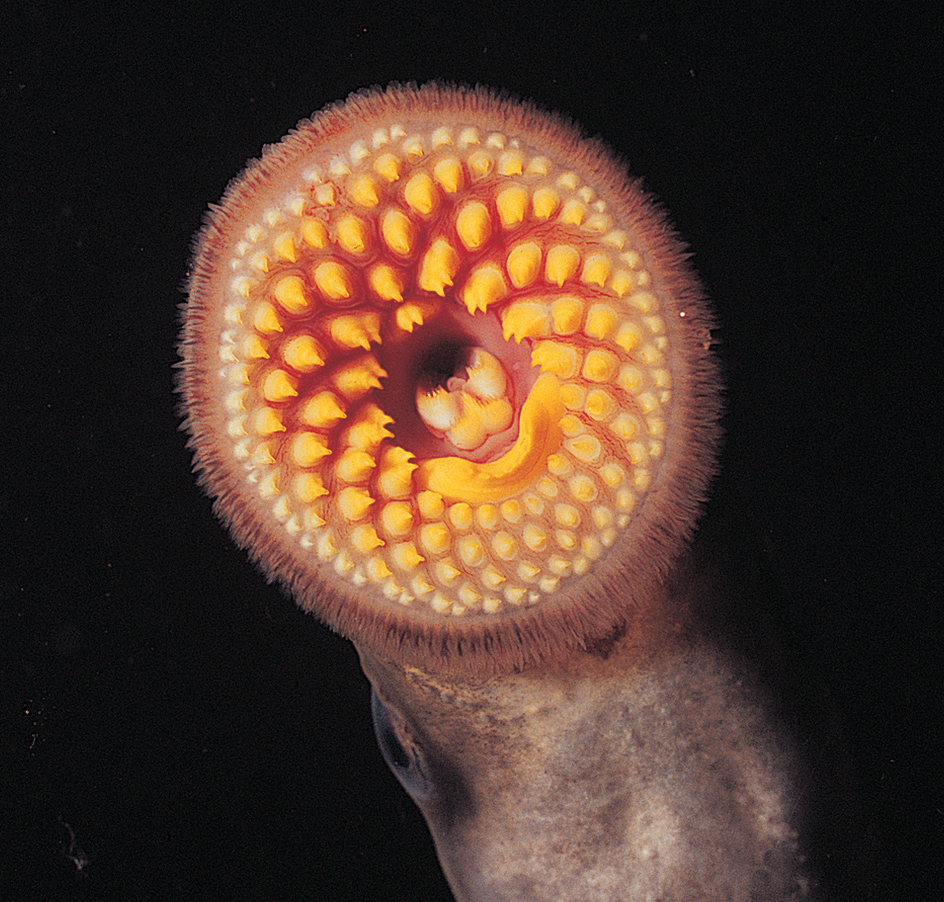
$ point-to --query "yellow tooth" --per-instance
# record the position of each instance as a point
(279, 386)
(325, 548)
(315, 233)
(435, 537)
(397, 518)
(407, 558)
(438, 409)
(561, 264)
(512, 204)
(398, 232)
(303, 353)
(535, 538)
(567, 314)
(602, 517)
(583, 488)
(596, 270)
(308, 487)
(322, 411)
(253, 348)
(440, 603)
(267, 421)
(420, 193)
(487, 516)
(586, 448)
(387, 165)
(353, 503)
(511, 510)
(430, 504)
(571, 426)
(460, 515)
(524, 264)
(265, 319)
(559, 465)
(628, 336)
(573, 396)
(485, 286)
(612, 475)
(471, 551)
(369, 429)
(515, 594)
(573, 212)
(290, 293)
(600, 405)
(386, 282)
(354, 465)
(395, 479)
(559, 565)
(622, 283)
(358, 331)
(353, 234)
(334, 280)
(307, 449)
(448, 174)
(284, 245)
(446, 572)
(363, 192)
(524, 319)
(556, 358)
(504, 545)
(365, 539)
(474, 225)
(601, 321)
(412, 314)
(539, 435)
(644, 301)
(377, 571)
(545, 203)
(566, 540)
(534, 504)
(357, 378)
(600, 365)
(468, 596)
(438, 267)
(511, 163)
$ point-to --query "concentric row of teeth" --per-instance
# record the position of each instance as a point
(374, 246)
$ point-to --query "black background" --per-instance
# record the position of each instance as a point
(204, 740)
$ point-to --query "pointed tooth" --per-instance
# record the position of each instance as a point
(525, 319)
(556, 358)
(470, 551)
(353, 234)
(411, 314)
(438, 267)
(395, 475)
(334, 280)
(446, 572)
(308, 487)
(406, 557)
(303, 354)
(484, 287)
(512, 204)
(586, 448)
(315, 233)
(504, 545)
(561, 264)
(356, 331)
(596, 270)
(369, 429)
(601, 321)
(284, 246)
(353, 503)
(545, 203)
(354, 465)
(279, 386)
(420, 193)
(582, 488)
(480, 164)
(322, 411)
(567, 315)
(448, 174)
(265, 319)
(358, 377)
(535, 538)
(365, 539)
(266, 421)
(435, 537)
(511, 163)
(397, 518)
(398, 232)
(600, 365)
(524, 264)
(386, 282)
(307, 449)
(573, 212)
(387, 166)
(473, 225)
(600, 405)
(363, 192)
(290, 293)
(430, 504)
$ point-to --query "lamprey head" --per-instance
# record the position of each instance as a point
(447, 375)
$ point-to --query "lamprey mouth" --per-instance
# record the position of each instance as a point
(442, 365)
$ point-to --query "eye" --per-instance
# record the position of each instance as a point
(402, 755)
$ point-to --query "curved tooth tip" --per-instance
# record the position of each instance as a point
(334, 280)
(438, 267)
(290, 293)
(485, 286)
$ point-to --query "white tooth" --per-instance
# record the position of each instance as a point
(486, 377)
(439, 409)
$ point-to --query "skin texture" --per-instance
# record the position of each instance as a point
(448, 377)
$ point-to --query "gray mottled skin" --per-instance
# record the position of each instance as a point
(644, 773)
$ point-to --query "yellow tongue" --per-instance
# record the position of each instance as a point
(539, 436)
